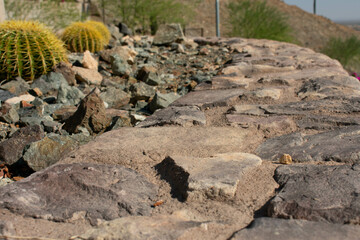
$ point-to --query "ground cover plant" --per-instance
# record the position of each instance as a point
(255, 19)
(346, 51)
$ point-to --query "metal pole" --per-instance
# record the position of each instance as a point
(217, 7)
(314, 6)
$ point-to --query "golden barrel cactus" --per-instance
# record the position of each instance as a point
(28, 49)
(80, 37)
(104, 31)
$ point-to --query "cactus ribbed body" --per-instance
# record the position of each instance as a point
(80, 37)
(28, 49)
(104, 31)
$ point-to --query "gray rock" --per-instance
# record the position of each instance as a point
(5, 95)
(8, 114)
(70, 192)
(317, 193)
(119, 66)
(114, 31)
(17, 86)
(67, 72)
(281, 229)
(46, 152)
(115, 98)
(167, 34)
(209, 98)
(182, 116)
(124, 29)
(136, 228)
(341, 145)
(49, 83)
(90, 114)
(162, 100)
(50, 126)
(152, 79)
(142, 91)
(11, 150)
(216, 177)
(69, 95)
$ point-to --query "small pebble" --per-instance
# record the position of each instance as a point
(285, 159)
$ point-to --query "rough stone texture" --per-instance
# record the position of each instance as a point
(216, 177)
(6, 229)
(136, 228)
(4, 95)
(182, 116)
(88, 76)
(69, 95)
(17, 86)
(11, 150)
(115, 98)
(90, 114)
(119, 66)
(124, 52)
(67, 72)
(341, 145)
(281, 229)
(167, 34)
(80, 191)
(318, 193)
(15, 100)
(8, 114)
(89, 62)
(46, 152)
(49, 83)
(142, 91)
(208, 98)
(162, 100)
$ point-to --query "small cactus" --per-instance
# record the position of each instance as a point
(80, 37)
(28, 49)
(104, 31)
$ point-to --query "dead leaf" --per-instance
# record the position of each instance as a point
(18, 178)
(158, 203)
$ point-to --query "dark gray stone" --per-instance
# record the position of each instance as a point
(17, 86)
(341, 145)
(69, 95)
(318, 193)
(281, 229)
(115, 98)
(182, 116)
(124, 29)
(209, 98)
(11, 150)
(5, 95)
(46, 152)
(167, 34)
(80, 191)
(49, 83)
(152, 79)
(119, 66)
(162, 100)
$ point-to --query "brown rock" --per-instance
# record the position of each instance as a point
(90, 114)
(11, 150)
(67, 72)
(126, 54)
(88, 76)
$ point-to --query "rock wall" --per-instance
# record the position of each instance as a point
(207, 166)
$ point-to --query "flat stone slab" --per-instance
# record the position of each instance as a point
(80, 191)
(318, 193)
(137, 228)
(341, 145)
(182, 116)
(281, 229)
(213, 177)
(209, 98)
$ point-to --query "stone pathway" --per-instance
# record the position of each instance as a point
(207, 166)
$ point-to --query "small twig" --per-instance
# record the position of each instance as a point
(32, 238)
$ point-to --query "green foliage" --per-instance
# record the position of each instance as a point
(80, 37)
(347, 51)
(28, 49)
(255, 19)
(104, 31)
(54, 13)
(146, 15)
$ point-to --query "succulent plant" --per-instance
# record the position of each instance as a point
(104, 31)
(80, 37)
(28, 49)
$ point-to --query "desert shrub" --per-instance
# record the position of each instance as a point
(255, 19)
(28, 49)
(347, 50)
(56, 14)
(146, 15)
